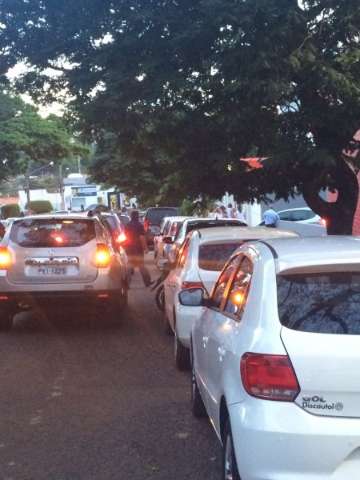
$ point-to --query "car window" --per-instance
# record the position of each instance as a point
(212, 257)
(286, 216)
(320, 303)
(155, 215)
(220, 287)
(183, 253)
(165, 227)
(175, 227)
(239, 290)
(52, 233)
(299, 215)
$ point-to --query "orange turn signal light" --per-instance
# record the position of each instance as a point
(102, 256)
(5, 258)
(237, 298)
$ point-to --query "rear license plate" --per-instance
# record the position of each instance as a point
(49, 271)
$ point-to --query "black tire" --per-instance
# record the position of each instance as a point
(182, 355)
(197, 405)
(167, 328)
(229, 466)
(6, 321)
(160, 298)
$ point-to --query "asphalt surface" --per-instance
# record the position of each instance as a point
(80, 400)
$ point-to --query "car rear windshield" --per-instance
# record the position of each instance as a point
(155, 215)
(320, 303)
(52, 233)
(214, 256)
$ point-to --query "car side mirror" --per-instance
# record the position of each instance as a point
(168, 240)
(192, 297)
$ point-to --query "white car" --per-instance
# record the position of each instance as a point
(194, 223)
(275, 359)
(169, 228)
(301, 215)
(200, 260)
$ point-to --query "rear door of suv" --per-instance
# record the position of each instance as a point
(53, 251)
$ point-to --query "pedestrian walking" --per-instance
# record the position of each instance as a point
(236, 213)
(270, 218)
(136, 246)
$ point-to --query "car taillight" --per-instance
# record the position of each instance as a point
(323, 222)
(187, 285)
(270, 377)
(5, 258)
(146, 225)
(102, 256)
(120, 238)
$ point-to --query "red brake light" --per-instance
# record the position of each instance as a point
(270, 377)
(146, 225)
(102, 256)
(121, 238)
(5, 258)
(187, 285)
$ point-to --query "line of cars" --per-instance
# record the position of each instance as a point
(63, 259)
(268, 324)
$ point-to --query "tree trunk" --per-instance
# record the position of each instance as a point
(339, 215)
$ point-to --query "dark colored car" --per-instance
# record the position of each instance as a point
(153, 218)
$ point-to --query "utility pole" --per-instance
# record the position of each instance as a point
(61, 184)
(27, 184)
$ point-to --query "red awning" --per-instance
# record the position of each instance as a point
(254, 163)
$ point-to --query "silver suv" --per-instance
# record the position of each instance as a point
(51, 260)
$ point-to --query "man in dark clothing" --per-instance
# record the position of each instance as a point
(136, 246)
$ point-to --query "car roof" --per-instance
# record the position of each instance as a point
(297, 253)
(232, 234)
(295, 209)
(176, 218)
(58, 216)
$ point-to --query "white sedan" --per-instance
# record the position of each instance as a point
(274, 359)
(199, 262)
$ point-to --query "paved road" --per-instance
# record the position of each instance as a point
(80, 402)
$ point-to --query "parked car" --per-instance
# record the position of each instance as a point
(192, 223)
(153, 218)
(274, 358)
(169, 228)
(112, 223)
(200, 260)
(59, 260)
(302, 215)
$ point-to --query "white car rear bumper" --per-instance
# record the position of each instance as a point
(280, 441)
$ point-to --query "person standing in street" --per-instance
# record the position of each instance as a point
(136, 246)
(270, 218)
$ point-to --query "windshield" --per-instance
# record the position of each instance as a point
(213, 256)
(52, 233)
(320, 303)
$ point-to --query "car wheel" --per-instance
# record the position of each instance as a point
(160, 298)
(197, 404)
(230, 469)
(123, 299)
(6, 321)
(182, 355)
(167, 328)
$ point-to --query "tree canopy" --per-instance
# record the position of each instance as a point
(174, 93)
(26, 136)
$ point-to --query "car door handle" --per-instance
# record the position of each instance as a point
(205, 341)
(221, 351)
